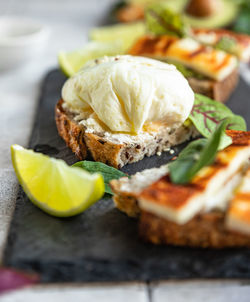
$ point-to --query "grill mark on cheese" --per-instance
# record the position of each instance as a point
(174, 196)
(150, 45)
(241, 39)
(204, 59)
(223, 63)
(200, 50)
(171, 195)
(240, 138)
(244, 196)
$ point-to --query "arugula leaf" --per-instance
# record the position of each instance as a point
(160, 20)
(107, 172)
(196, 155)
(207, 114)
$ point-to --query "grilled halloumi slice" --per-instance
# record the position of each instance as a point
(213, 36)
(213, 63)
(212, 187)
(238, 215)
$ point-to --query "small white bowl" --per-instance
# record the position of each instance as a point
(21, 39)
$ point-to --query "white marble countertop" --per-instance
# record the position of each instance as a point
(69, 22)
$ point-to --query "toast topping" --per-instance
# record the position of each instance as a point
(212, 187)
(213, 36)
(214, 63)
(238, 215)
(127, 93)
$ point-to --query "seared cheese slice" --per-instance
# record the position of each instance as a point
(213, 36)
(212, 187)
(213, 63)
(238, 215)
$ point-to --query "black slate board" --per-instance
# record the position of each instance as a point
(102, 244)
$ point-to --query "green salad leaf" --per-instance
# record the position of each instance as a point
(187, 72)
(242, 23)
(161, 20)
(196, 155)
(227, 44)
(107, 172)
(207, 114)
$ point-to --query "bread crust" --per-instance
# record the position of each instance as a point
(205, 230)
(125, 201)
(85, 144)
(72, 134)
(217, 90)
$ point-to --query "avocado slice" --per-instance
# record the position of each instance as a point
(225, 16)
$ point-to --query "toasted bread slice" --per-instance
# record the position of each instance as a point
(115, 150)
(205, 230)
(219, 68)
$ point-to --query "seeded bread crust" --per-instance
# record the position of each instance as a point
(205, 230)
(109, 151)
(126, 202)
(84, 144)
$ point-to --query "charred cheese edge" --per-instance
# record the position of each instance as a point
(180, 203)
(238, 214)
(213, 63)
(212, 36)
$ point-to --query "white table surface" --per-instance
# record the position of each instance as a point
(69, 22)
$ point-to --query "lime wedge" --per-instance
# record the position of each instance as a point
(71, 62)
(53, 186)
(127, 34)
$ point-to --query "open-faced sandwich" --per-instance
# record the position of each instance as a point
(121, 109)
(229, 41)
(209, 71)
(212, 209)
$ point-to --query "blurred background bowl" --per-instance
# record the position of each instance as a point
(21, 40)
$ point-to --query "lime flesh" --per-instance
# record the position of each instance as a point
(53, 186)
(71, 62)
(126, 34)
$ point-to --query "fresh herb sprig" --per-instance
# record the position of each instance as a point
(107, 172)
(197, 155)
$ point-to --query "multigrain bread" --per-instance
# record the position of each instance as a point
(215, 227)
(205, 230)
(115, 150)
(214, 78)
